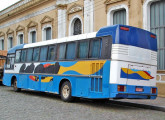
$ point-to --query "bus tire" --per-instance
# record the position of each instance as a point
(15, 88)
(66, 94)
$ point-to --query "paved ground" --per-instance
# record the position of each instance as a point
(158, 102)
(28, 105)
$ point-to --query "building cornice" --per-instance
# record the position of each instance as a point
(28, 16)
(32, 24)
(64, 2)
(74, 8)
(10, 31)
(107, 2)
(20, 28)
(14, 6)
(17, 9)
(46, 19)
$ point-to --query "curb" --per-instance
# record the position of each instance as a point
(138, 105)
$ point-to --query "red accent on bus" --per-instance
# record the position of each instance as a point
(121, 88)
(153, 90)
(153, 36)
(124, 28)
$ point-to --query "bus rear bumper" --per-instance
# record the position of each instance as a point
(135, 96)
(131, 93)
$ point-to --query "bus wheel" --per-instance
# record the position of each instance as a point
(66, 92)
(15, 86)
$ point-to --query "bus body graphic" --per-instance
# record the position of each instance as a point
(43, 79)
(135, 74)
(116, 62)
(80, 68)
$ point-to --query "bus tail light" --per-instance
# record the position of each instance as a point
(124, 28)
(121, 88)
(153, 36)
(153, 90)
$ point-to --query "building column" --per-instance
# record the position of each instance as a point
(61, 23)
(88, 16)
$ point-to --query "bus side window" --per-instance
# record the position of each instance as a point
(29, 55)
(51, 53)
(23, 55)
(71, 51)
(36, 53)
(95, 48)
(7, 63)
(106, 47)
(43, 53)
(18, 56)
(61, 51)
(83, 48)
(10, 61)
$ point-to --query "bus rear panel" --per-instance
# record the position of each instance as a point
(133, 63)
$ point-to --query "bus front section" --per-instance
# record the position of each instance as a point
(133, 64)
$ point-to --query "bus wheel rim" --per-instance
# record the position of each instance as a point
(66, 91)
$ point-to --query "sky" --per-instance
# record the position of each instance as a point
(6, 3)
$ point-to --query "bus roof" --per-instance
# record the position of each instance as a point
(61, 40)
(130, 36)
(12, 50)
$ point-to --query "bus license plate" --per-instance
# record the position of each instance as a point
(139, 89)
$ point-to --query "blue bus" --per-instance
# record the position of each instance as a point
(116, 62)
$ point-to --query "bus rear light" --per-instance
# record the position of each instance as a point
(153, 36)
(121, 88)
(153, 90)
(124, 28)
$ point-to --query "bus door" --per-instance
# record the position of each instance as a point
(138, 75)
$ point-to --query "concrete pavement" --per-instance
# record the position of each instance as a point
(157, 104)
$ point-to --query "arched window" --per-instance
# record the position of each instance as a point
(77, 27)
(119, 17)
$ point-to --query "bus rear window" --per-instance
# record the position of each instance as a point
(106, 47)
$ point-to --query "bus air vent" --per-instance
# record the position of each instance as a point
(96, 84)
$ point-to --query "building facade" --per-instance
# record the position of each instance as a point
(29, 21)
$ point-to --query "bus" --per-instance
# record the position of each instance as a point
(116, 62)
